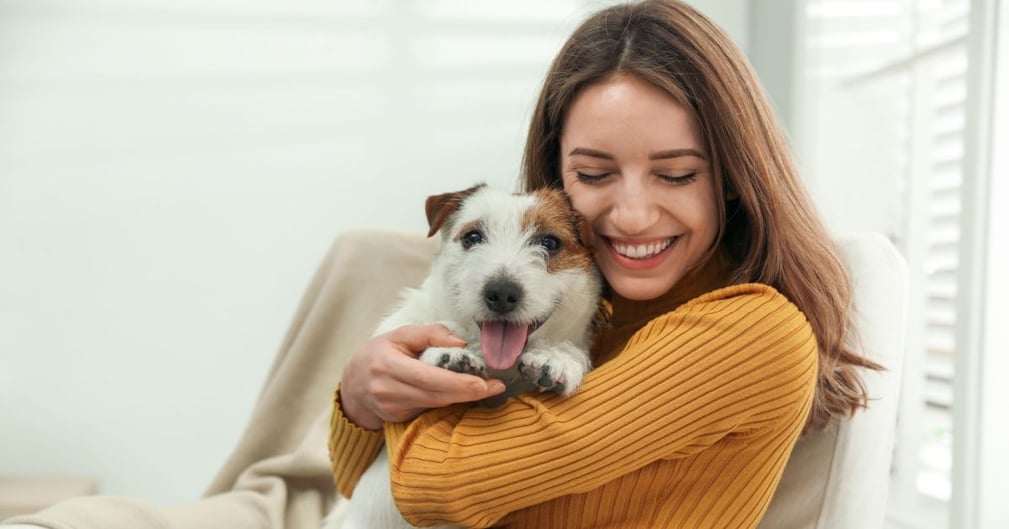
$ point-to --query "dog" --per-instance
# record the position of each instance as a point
(514, 277)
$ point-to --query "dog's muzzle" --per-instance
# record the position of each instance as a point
(502, 296)
(501, 340)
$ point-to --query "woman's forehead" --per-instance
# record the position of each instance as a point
(624, 110)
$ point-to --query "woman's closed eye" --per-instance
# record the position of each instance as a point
(591, 177)
(679, 180)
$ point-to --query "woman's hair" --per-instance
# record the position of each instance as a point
(769, 226)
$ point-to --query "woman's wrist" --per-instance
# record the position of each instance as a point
(355, 412)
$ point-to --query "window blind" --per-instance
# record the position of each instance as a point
(907, 58)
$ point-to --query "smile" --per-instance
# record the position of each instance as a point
(641, 256)
(642, 251)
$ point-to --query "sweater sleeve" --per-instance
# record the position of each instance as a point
(737, 361)
(351, 448)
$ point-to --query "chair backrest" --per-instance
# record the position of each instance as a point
(838, 478)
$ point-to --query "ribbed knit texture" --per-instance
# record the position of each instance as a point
(351, 448)
(687, 423)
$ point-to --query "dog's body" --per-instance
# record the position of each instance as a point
(514, 277)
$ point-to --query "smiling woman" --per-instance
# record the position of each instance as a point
(633, 165)
(729, 308)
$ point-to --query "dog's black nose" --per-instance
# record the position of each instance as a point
(502, 295)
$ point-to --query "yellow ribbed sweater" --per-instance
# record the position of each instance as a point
(687, 423)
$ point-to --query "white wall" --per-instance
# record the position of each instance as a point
(172, 171)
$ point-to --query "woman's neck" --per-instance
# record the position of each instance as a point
(712, 275)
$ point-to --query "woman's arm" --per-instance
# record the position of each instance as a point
(384, 381)
(736, 361)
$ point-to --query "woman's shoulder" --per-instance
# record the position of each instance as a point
(745, 338)
(759, 290)
(745, 311)
(753, 297)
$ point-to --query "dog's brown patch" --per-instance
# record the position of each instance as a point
(553, 214)
(466, 228)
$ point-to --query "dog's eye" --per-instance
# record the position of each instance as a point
(471, 239)
(550, 242)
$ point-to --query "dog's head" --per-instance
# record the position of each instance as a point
(514, 264)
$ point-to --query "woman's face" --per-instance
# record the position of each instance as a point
(633, 162)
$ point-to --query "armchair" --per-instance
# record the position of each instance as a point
(838, 478)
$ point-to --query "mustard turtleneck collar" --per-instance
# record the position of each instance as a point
(712, 275)
(627, 316)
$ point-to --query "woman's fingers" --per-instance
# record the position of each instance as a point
(436, 386)
(384, 380)
(402, 401)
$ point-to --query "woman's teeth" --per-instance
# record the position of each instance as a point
(642, 251)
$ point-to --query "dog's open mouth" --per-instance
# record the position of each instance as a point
(503, 341)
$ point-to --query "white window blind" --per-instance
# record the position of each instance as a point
(903, 63)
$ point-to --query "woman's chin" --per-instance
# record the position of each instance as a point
(640, 289)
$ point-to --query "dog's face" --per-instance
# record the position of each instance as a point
(511, 263)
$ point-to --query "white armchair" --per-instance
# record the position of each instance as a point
(838, 479)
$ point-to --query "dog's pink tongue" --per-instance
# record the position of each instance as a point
(502, 343)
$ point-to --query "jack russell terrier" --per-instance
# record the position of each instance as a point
(514, 277)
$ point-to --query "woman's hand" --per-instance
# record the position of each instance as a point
(384, 380)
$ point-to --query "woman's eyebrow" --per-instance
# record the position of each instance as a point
(590, 152)
(661, 155)
(676, 153)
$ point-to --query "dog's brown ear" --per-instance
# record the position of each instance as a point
(440, 207)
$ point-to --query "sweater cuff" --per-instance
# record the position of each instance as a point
(351, 448)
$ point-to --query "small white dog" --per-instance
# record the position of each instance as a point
(514, 277)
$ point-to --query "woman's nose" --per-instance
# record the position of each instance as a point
(634, 208)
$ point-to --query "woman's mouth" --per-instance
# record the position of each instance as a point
(641, 255)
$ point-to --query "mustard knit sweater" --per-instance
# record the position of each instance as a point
(686, 422)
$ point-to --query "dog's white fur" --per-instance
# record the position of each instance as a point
(565, 300)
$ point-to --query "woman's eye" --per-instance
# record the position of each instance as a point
(550, 242)
(679, 180)
(589, 178)
(471, 239)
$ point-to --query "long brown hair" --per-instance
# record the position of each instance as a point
(769, 225)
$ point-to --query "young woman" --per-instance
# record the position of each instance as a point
(730, 310)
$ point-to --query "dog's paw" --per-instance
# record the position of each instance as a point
(456, 359)
(551, 371)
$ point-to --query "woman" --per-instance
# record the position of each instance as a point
(729, 310)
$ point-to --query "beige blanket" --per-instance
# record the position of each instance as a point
(278, 477)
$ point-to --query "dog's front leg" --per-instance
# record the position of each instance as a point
(458, 359)
(557, 367)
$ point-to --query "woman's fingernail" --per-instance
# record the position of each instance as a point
(495, 386)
